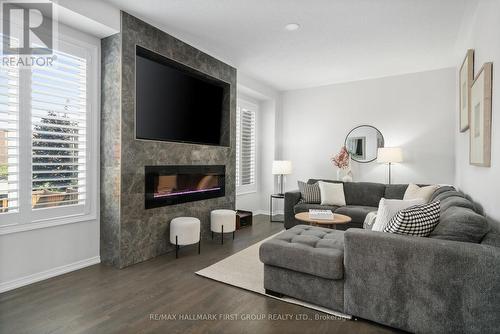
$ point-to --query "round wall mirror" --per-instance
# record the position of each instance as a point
(363, 142)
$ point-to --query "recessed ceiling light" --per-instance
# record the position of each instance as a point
(292, 26)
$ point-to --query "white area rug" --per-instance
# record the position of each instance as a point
(244, 270)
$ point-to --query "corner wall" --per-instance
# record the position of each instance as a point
(110, 149)
(413, 111)
(268, 100)
(36, 254)
(129, 233)
(481, 31)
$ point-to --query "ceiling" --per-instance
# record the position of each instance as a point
(339, 40)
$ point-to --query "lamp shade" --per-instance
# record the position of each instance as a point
(389, 155)
(282, 167)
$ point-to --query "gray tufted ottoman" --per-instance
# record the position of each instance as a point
(307, 263)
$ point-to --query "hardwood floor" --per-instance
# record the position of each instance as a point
(101, 299)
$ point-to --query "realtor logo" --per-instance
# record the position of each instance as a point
(27, 27)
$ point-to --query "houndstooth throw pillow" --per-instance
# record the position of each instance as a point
(418, 220)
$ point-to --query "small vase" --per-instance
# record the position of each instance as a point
(339, 174)
(347, 177)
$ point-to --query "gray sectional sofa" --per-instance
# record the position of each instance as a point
(446, 283)
(361, 198)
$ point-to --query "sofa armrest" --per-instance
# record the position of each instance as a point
(422, 285)
(291, 199)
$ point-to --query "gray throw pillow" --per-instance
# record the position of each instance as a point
(310, 192)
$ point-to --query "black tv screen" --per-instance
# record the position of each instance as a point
(176, 103)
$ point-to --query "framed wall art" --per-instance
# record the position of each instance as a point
(466, 77)
(480, 117)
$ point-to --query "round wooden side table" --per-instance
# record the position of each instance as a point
(330, 223)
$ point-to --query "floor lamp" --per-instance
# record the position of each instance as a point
(282, 167)
(389, 155)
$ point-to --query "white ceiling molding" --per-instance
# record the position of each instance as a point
(257, 90)
(94, 17)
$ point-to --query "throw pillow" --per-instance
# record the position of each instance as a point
(388, 208)
(332, 193)
(370, 220)
(413, 192)
(309, 192)
(418, 220)
(461, 224)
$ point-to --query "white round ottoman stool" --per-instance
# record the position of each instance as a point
(185, 231)
(222, 221)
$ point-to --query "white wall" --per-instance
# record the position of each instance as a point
(250, 200)
(34, 255)
(413, 111)
(482, 33)
(30, 256)
(268, 102)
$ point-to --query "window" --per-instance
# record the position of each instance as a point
(9, 140)
(58, 124)
(245, 147)
(48, 145)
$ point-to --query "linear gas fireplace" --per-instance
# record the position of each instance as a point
(168, 185)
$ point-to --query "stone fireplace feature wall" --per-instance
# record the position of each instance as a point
(130, 233)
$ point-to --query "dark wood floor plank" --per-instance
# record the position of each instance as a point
(101, 299)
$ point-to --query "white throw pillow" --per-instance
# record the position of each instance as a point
(388, 208)
(332, 193)
(413, 192)
(370, 220)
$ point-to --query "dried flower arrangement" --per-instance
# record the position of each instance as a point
(341, 159)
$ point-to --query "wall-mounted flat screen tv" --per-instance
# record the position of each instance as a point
(177, 103)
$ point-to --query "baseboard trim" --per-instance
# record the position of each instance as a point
(266, 212)
(43, 275)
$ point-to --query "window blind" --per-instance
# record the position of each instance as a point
(58, 125)
(238, 144)
(9, 139)
(245, 146)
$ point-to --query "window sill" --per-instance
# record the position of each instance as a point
(16, 228)
(247, 192)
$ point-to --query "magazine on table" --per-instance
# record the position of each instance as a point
(320, 214)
